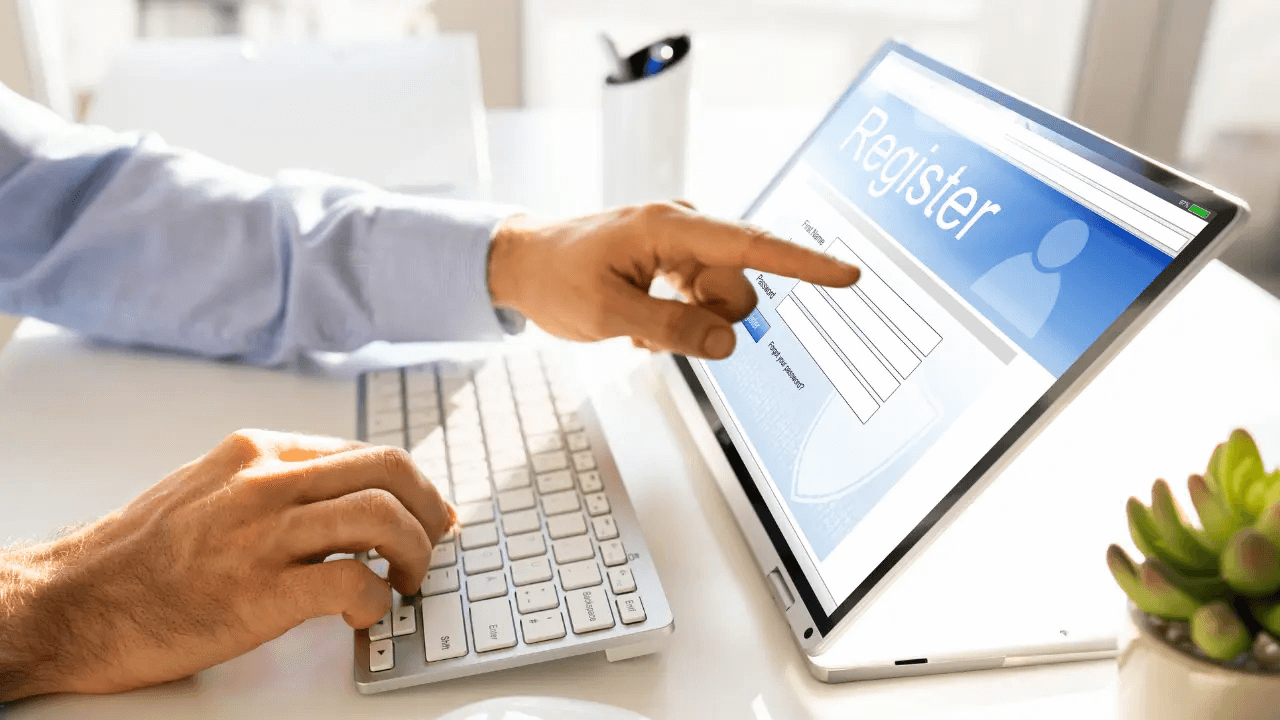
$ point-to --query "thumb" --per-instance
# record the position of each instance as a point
(670, 324)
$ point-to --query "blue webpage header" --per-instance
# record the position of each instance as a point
(1048, 271)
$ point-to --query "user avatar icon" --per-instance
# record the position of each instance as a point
(1025, 287)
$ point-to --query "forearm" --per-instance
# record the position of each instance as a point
(131, 241)
(28, 647)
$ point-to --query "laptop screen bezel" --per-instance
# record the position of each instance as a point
(1138, 166)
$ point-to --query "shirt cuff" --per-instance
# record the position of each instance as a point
(429, 272)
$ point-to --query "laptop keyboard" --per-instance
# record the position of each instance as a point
(541, 558)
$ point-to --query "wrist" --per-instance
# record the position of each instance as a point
(505, 251)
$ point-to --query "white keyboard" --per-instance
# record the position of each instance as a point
(548, 562)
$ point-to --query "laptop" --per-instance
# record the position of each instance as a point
(1007, 256)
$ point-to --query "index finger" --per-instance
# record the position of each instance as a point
(379, 468)
(725, 244)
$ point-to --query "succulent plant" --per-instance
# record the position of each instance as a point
(1222, 578)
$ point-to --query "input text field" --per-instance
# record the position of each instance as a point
(889, 303)
(846, 341)
(846, 383)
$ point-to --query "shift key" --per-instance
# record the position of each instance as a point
(442, 630)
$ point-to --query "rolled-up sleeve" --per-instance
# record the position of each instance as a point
(126, 239)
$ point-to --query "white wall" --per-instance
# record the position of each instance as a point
(802, 52)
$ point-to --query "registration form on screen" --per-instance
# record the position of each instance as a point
(993, 254)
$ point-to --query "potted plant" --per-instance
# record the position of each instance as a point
(1205, 610)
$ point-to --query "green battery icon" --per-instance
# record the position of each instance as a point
(1200, 211)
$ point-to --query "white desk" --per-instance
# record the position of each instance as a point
(84, 428)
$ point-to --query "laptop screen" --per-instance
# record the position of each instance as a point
(994, 253)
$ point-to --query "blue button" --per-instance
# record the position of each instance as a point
(756, 325)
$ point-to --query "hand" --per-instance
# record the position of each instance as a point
(216, 559)
(588, 278)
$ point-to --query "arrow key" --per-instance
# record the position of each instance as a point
(382, 655)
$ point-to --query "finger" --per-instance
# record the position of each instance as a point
(260, 445)
(345, 587)
(668, 324)
(292, 447)
(719, 243)
(724, 291)
(357, 522)
(685, 204)
(381, 468)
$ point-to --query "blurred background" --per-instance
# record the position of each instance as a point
(1191, 82)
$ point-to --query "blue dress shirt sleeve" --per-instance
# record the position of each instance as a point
(126, 239)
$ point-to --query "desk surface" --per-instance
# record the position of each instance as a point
(84, 428)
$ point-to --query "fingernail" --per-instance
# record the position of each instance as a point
(718, 343)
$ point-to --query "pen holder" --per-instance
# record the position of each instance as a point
(646, 127)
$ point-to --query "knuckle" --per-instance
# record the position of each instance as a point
(381, 505)
(242, 445)
(397, 461)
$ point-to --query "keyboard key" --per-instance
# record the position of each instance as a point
(522, 521)
(420, 378)
(545, 443)
(470, 472)
(466, 453)
(578, 441)
(423, 416)
(540, 425)
(566, 525)
(394, 438)
(588, 610)
(612, 553)
(604, 527)
(444, 555)
(542, 627)
(382, 654)
(486, 585)
(533, 598)
(571, 422)
(427, 447)
(441, 581)
(621, 580)
(597, 503)
(443, 634)
(461, 436)
(511, 479)
(508, 460)
(590, 482)
(572, 549)
(548, 461)
(381, 630)
(561, 502)
(403, 616)
(519, 499)
(491, 624)
(525, 545)
(579, 575)
(379, 566)
(533, 570)
(555, 481)
(465, 491)
(474, 513)
(478, 536)
(584, 461)
(482, 560)
(630, 609)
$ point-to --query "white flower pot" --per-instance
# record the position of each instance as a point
(1158, 682)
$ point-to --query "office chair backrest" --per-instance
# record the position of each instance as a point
(405, 115)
